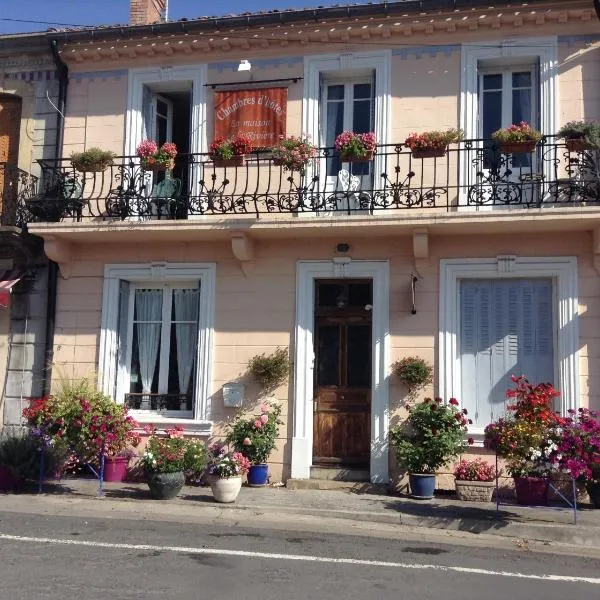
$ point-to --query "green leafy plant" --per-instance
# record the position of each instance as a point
(415, 373)
(92, 160)
(433, 139)
(270, 370)
(431, 436)
(255, 436)
(514, 134)
(581, 130)
(172, 453)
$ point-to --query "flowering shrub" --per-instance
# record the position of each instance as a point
(226, 148)
(432, 434)
(293, 153)
(173, 453)
(226, 464)
(152, 157)
(523, 132)
(475, 470)
(578, 446)
(529, 435)
(82, 420)
(355, 145)
(433, 139)
(255, 436)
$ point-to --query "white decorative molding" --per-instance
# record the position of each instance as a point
(302, 440)
(60, 252)
(340, 266)
(506, 263)
(158, 270)
(421, 248)
(112, 380)
(541, 49)
(561, 269)
(242, 247)
(315, 67)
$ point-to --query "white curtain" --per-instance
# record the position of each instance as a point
(148, 305)
(186, 334)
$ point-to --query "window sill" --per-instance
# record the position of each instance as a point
(191, 427)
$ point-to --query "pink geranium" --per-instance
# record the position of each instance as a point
(264, 418)
(247, 441)
(146, 149)
(258, 424)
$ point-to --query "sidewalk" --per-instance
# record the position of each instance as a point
(289, 506)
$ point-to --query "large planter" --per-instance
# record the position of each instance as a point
(422, 485)
(532, 491)
(165, 486)
(517, 147)
(356, 159)
(429, 152)
(226, 489)
(115, 468)
(237, 160)
(258, 475)
(593, 490)
(97, 167)
(577, 145)
(474, 491)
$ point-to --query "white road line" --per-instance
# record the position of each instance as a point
(296, 557)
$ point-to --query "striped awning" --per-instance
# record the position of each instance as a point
(8, 279)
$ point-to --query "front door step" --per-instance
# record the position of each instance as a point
(364, 487)
(339, 473)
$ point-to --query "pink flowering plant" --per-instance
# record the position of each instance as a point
(475, 470)
(223, 148)
(224, 463)
(173, 453)
(153, 158)
(293, 153)
(523, 132)
(355, 145)
(255, 436)
(431, 436)
(430, 140)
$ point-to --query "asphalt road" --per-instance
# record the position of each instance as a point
(50, 557)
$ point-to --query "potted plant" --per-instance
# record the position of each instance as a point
(231, 151)
(355, 147)
(415, 373)
(517, 139)
(168, 459)
(578, 450)
(93, 160)
(431, 436)
(475, 480)
(153, 158)
(432, 144)
(255, 438)
(293, 153)
(225, 471)
(580, 135)
(270, 370)
(528, 437)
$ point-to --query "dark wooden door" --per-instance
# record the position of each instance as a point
(342, 387)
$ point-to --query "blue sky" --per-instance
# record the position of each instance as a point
(96, 12)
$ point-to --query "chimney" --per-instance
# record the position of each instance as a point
(146, 12)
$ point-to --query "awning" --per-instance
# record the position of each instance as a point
(8, 279)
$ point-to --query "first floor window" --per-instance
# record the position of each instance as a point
(506, 327)
(159, 344)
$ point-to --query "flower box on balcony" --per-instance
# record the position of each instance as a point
(93, 160)
(151, 164)
(351, 158)
(517, 147)
(429, 152)
(153, 158)
(517, 139)
(229, 152)
(580, 135)
(578, 145)
(432, 144)
(355, 147)
(237, 160)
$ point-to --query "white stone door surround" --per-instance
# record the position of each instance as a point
(302, 440)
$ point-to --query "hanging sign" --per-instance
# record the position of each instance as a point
(260, 114)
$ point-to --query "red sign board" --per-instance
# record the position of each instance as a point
(260, 114)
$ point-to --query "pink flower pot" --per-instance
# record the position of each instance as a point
(532, 491)
(115, 468)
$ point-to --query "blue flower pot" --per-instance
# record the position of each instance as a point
(258, 475)
(422, 486)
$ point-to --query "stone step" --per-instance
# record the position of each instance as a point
(339, 474)
(364, 487)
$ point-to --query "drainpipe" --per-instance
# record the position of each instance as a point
(62, 72)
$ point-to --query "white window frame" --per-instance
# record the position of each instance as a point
(561, 269)
(543, 50)
(156, 274)
(168, 117)
(319, 67)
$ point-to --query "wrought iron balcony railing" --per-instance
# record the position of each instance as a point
(473, 173)
(16, 187)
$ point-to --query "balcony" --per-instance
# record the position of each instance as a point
(473, 174)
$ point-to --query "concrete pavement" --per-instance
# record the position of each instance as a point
(315, 508)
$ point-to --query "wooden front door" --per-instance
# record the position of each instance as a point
(342, 387)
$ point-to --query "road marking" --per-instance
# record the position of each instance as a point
(295, 557)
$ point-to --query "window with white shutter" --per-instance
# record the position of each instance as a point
(505, 328)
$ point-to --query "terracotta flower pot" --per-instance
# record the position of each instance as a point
(474, 491)
(517, 147)
(577, 145)
(237, 160)
(429, 152)
(357, 159)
